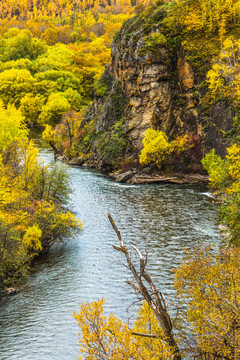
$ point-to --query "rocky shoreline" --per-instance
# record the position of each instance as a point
(140, 177)
(134, 177)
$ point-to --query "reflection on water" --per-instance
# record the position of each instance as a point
(37, 323)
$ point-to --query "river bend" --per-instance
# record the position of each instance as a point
(37, 323)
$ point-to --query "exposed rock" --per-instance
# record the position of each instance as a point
(123, 177)
(76, 161)
(185, 74)
(61, 158)
(220, 122)
(10, 291)
(152, 98)
(155, 88)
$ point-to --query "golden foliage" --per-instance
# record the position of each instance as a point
(30, 200)
(108, 338)
(210, 285)
(157, 148)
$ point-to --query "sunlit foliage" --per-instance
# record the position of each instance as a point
(31, 194)
(224, 77)
(105, 338)
(224, 176)
(52, 53)
(209, 285)
(158, 150)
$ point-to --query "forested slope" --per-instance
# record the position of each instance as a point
(51, 54)
(174, 68)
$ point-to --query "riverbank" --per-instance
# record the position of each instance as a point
(139, 177)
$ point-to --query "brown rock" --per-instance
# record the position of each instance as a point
(123, 177)
(185, 74)
(76, 161)
(10, 291)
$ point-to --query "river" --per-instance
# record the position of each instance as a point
(37, 323)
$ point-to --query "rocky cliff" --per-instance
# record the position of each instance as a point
(154, 85)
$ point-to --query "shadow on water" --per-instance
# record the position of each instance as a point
(37, 323)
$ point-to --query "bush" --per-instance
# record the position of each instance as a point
(151, 43)
(112, 145)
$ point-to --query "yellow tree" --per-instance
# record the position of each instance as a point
(31, 194)
(157, 149)
(210, 286)
(108, 338)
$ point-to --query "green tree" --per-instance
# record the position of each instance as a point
(19, 44)
(224, 177)
(55, 107)
(14, 84)
(31, 107)
(31, 196)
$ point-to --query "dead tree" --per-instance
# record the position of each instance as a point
(146, 287)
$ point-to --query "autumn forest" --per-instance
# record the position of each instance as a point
(144, 92)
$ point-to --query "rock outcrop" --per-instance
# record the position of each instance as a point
(158, 85)
(147, 82)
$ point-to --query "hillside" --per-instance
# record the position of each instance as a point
(161, 76)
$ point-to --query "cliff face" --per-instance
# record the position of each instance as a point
(159, 87)
(146, 80)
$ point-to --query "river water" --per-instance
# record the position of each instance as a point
(37, 323)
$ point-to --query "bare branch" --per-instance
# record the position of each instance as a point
(142, 262)
(115, 229)
(145, 335)
(136, 249)
(117, 248)
(133, 286)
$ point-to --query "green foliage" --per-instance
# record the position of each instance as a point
(15, 84)
(224, 176)
(217, 169)
(12, 129)
(56, 105)
(13, 255)
(17, 64)
(63, 79)
(113, 144)
(31, 107)
(38, 57)
(103, 85)
(31, 198)
(118, 101)
(20, 45)
(152, 43)
(58, 57)
(181, 154)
